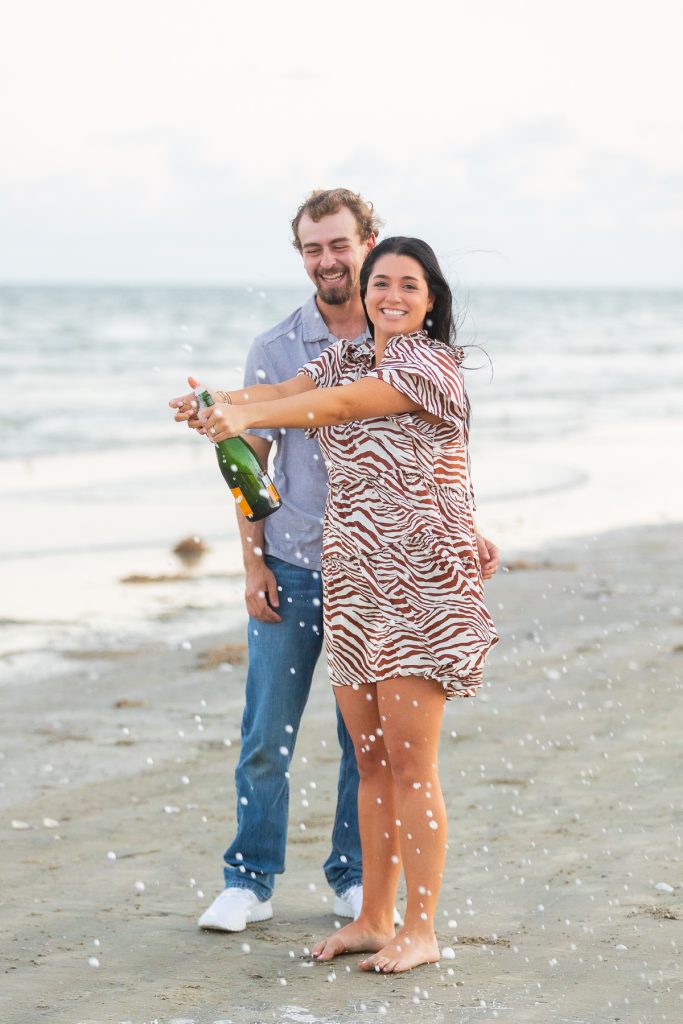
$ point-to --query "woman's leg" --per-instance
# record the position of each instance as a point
(411, 710)
(378, 829)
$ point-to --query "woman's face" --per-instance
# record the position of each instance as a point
(398, 297)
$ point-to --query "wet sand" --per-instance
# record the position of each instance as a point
(562, 782)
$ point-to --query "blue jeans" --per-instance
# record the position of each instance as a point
(282, 658)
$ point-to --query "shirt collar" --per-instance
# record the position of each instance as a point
(314, 327)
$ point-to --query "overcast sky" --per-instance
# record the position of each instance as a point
(532, 143)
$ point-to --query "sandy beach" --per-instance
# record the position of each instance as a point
(123, 673)
(562, 899)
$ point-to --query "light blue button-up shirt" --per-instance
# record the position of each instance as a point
(294, 532)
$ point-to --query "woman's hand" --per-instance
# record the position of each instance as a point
(187, 406)
(221, 421)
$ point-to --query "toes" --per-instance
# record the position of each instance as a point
(329, 949)
(376, 963)
(400, 967)
(390, 967)
(320, 951)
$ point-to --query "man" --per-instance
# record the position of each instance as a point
(333, 230)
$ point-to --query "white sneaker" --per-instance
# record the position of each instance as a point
(350, 902)
(234, 909)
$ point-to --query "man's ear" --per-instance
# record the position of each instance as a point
(371, 242)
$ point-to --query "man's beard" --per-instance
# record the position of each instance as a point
(338, 295)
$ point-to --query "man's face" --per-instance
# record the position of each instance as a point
(333, 254)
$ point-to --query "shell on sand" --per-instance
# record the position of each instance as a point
(230, 654)
(190, 551)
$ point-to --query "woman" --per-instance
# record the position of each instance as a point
(405, 623)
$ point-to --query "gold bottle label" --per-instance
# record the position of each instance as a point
(244, 505)
(272, 492)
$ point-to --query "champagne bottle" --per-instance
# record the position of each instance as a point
(251, 486)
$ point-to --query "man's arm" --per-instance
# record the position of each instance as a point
(260, 586)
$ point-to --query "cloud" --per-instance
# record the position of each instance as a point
(160, 141)
(529, 205)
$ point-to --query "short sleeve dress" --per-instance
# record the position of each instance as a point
(401, 576)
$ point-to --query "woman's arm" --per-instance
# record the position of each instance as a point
(321, 407)
(187, 404)
(268, 392)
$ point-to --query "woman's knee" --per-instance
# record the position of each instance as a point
(410, 771)
(372, 758)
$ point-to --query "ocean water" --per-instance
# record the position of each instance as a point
(575, 396)
(93, 368)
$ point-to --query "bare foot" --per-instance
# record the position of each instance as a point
(356, 937)
(402, 953)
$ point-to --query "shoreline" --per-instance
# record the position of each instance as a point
(561, 782)
(84, 522)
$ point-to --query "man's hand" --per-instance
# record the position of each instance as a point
(187, 406)
(261, 593)
(489, 556)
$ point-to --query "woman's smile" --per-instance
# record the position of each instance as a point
(393, 314)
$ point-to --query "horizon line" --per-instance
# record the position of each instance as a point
(281, 285)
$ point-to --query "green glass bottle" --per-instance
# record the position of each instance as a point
(251, 487)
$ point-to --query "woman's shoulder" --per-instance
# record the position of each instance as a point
(352, 351)
(422, 347)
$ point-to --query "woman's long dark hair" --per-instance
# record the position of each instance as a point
(439, 324)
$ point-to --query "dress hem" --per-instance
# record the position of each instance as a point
(450, 690)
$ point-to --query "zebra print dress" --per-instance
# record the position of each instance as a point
(401, 575)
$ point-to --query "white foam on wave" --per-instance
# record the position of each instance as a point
(591, 482)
